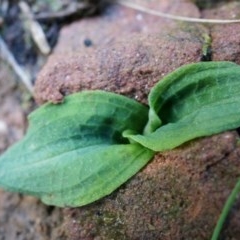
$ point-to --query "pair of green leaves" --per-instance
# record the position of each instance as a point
(79, 151)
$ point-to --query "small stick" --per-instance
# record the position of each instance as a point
(63, 13)
(35, 29)
(175, 17)
(8, 57)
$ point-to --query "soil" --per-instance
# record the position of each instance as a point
(21, 217)
(180, 194)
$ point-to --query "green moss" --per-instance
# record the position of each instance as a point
(206, 4)
(206, 48)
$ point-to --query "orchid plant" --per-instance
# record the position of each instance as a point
(79, 151)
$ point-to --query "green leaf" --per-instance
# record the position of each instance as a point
(196, 100)
(77, 152)
(74, 153)
(225, 211)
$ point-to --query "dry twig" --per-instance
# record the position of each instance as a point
(8, 57)
(72, 9)
(174, 17)
(35, 29)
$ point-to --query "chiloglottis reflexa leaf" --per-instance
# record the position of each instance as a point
(79, 151)
(196, 100)
(74, 153)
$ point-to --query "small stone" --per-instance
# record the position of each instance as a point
(88, 42)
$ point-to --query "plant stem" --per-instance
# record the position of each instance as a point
(228, 205)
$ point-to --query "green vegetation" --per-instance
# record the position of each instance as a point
(82, 150)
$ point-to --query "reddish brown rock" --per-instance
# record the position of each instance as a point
(117, 22)
(130, 67)
(130, 52)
